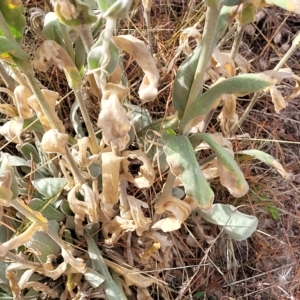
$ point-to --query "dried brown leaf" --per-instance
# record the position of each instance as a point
(228, 118)
(136, 48)
(223, 63)
(115, 228)
(21, 95)
(132, 276)
(141, 222)
(51, 98)
(146, 175)
(110, 182)
(12, 130)
(178, 209)
(277, 99)
(54, 142)
(113, 117)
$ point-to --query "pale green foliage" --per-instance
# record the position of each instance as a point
(82, 184)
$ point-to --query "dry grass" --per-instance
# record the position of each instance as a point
(198, 258)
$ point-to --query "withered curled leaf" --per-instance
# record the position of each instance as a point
(148, 88)
(146, 175)
(113, 117)
(179, 210)
(21, 95)
(54, 142)
(141, 222)
(110, 182)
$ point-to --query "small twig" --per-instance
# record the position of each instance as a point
(295, 45)
(237, 41)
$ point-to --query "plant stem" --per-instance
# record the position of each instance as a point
(34, 216)
(147, 9)
(86, 37)
(230, 32)
(125, 212)
(67, 40)
(246, 113)
(22, 261)
(26, 68)
(237, 41)
(19, 77)
(8, 80)
(208, 43)
(87, 120)
(167, 188)
(295, 45)
(52, 119)
(73, 167)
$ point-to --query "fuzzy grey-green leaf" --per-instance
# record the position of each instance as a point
(231, 175)
(242, 84)
(182, 161)
(237, 225)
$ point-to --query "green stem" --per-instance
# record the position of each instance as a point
(108, 32)
(86, 37)
(19, 77)
(8, 80)
(88, 123)
(73, 167)
(34, 216)
(167, 188)
(230, 32)
(27, 70)
(67, 40)
(52, 119)
(208, 43)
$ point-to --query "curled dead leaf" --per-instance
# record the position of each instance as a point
(12, 130)
(66, 8)
(179, 211)
(21, 95)
(228, 118)
(141, 222)
(51, 53)
(113, 117)
(115, 228)
(223, 63)
(110, 182)
(54, 142)
(83, 160)
(132, 276)
(87, 207)
(6, 193)
(147, 253)
(277, 99)
(51, 98)
(146, 175)
(148, 88)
